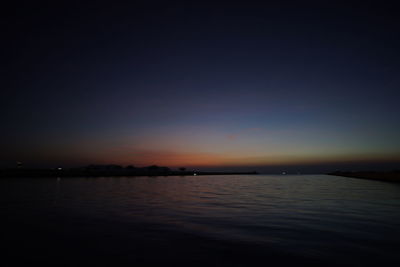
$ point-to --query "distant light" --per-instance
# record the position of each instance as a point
(59, 168)
(194, 174)
(283, 173)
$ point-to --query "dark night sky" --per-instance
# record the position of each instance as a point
(201, 85)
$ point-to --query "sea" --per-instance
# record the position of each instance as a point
(221, 220)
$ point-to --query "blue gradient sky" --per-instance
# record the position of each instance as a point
(202, 86)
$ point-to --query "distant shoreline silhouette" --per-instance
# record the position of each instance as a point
(108, 170)
(392, 176)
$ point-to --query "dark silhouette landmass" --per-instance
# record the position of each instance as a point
(392, 176)
(108, 171)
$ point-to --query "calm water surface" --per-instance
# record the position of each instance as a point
(256, 220)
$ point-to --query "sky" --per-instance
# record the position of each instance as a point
(265, 86)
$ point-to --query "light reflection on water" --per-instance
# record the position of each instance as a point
(316, 217)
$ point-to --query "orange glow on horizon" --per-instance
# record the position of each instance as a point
(182, 159)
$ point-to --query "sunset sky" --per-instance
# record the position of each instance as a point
(201, 86)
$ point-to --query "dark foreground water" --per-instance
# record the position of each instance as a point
(259, 220)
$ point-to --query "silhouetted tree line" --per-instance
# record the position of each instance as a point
(114, 167)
